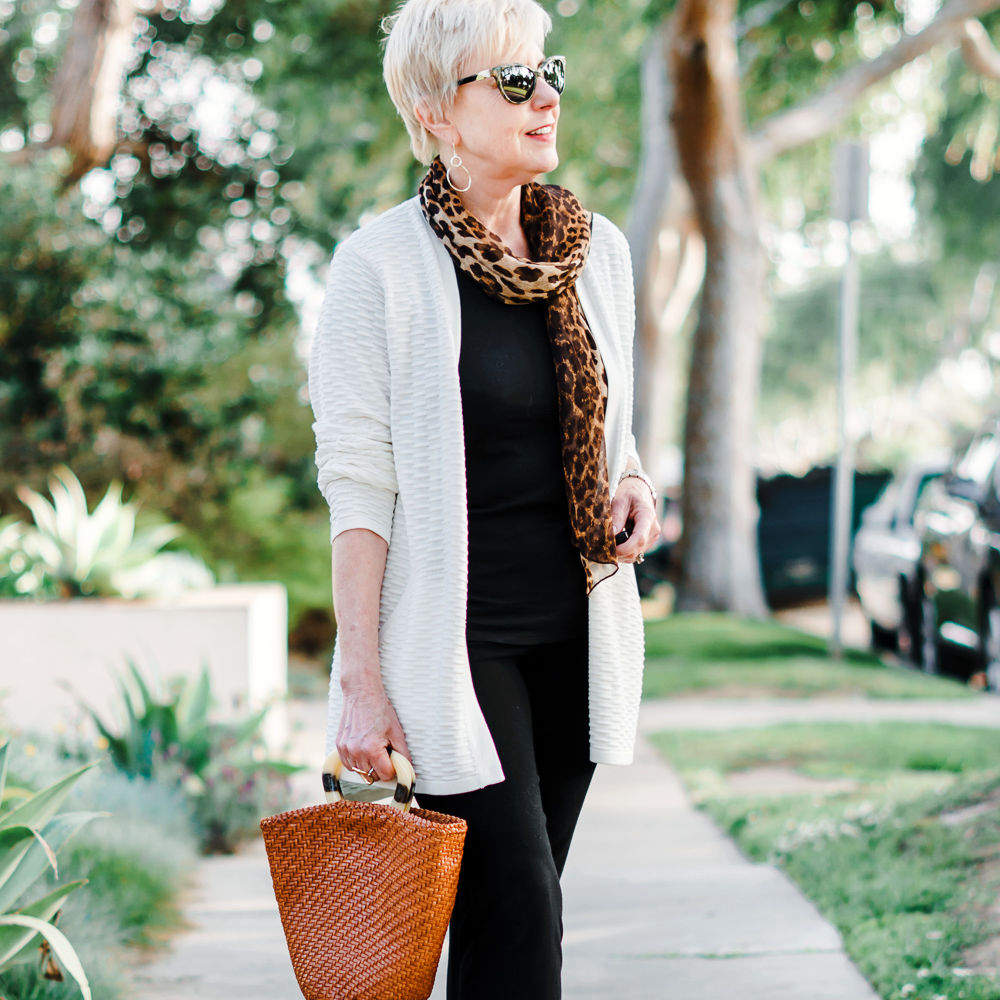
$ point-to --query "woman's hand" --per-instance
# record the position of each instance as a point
(633, 502)
(368, 726)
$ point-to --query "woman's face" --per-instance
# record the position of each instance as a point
(497, 140)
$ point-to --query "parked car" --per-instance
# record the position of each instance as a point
(887, 553)
(957, 596)
(793, 534)
(794, 531)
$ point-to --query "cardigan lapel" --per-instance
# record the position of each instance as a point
(445, 274)
(603, 329)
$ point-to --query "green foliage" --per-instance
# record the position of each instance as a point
(220, 766)
(146, 330)
(860, 751)
(265, 531)
(956, 177)
(891, 852)
(125, 364)
(32, 832)
(77, 552)
(17, 571)
(134, 866)
(903, 310)
(136, 861)
(717, 655)
(792, 52)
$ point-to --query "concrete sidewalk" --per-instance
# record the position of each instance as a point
(659, 903)
(693, 712)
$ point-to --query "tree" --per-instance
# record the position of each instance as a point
(147, 329)
(720, 158)
(719, 565)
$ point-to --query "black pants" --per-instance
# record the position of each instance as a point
(506, 930)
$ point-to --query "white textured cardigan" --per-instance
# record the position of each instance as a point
(383, 381)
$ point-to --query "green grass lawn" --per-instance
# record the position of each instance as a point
(722, 656)
(891, 828)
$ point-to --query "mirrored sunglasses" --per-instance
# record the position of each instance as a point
(517, 82)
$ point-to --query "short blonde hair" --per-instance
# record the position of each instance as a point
(428, 41)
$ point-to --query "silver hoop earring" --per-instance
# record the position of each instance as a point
(456, 163)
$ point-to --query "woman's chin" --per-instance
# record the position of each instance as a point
(544, 164)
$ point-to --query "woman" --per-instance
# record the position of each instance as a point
(471, 380)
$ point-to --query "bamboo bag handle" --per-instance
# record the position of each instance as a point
(405, 780)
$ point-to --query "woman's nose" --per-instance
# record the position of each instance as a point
(545, 95)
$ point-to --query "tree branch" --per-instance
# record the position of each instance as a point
(818, 115)
(978, 51)
(85, 92)
(757, 17)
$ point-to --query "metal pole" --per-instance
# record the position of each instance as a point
(843, 493)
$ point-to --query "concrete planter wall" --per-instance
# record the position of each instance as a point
(239, 632)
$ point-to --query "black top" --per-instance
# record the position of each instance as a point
(526, 580)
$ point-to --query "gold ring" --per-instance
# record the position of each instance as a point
(641, 557)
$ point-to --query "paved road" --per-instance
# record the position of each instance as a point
(659, 904)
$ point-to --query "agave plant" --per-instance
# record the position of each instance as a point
(84, 552)
(175, 728)
(152, 728)
(31, 834)
(219, 765)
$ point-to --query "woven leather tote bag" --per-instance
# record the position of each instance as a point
(365, 890)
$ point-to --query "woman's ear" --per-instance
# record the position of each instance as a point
(436, 122)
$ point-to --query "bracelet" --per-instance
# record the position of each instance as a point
(638, 474)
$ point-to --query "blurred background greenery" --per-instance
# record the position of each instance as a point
(155, 311)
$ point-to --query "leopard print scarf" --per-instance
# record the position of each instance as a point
(558, 233)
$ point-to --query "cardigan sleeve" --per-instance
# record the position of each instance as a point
(349, 393)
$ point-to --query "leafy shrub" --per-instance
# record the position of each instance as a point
(230, 796)
(220, 766)
(267, 529)
(137, 858)
(136, 861)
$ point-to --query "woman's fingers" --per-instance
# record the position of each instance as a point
(380, 758)
(646, 529)
(634, 504)
(398, 741)
(368, 727)
(382, 764)
(621, 508)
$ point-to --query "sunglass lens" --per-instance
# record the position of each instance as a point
(554, 74)
(517, 83)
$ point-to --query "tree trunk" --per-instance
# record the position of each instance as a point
(719, 563)
(668, 255)
(85, 92)
(656, 178)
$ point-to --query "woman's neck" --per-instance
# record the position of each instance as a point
(499, 210)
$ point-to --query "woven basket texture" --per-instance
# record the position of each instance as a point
(365, 893)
